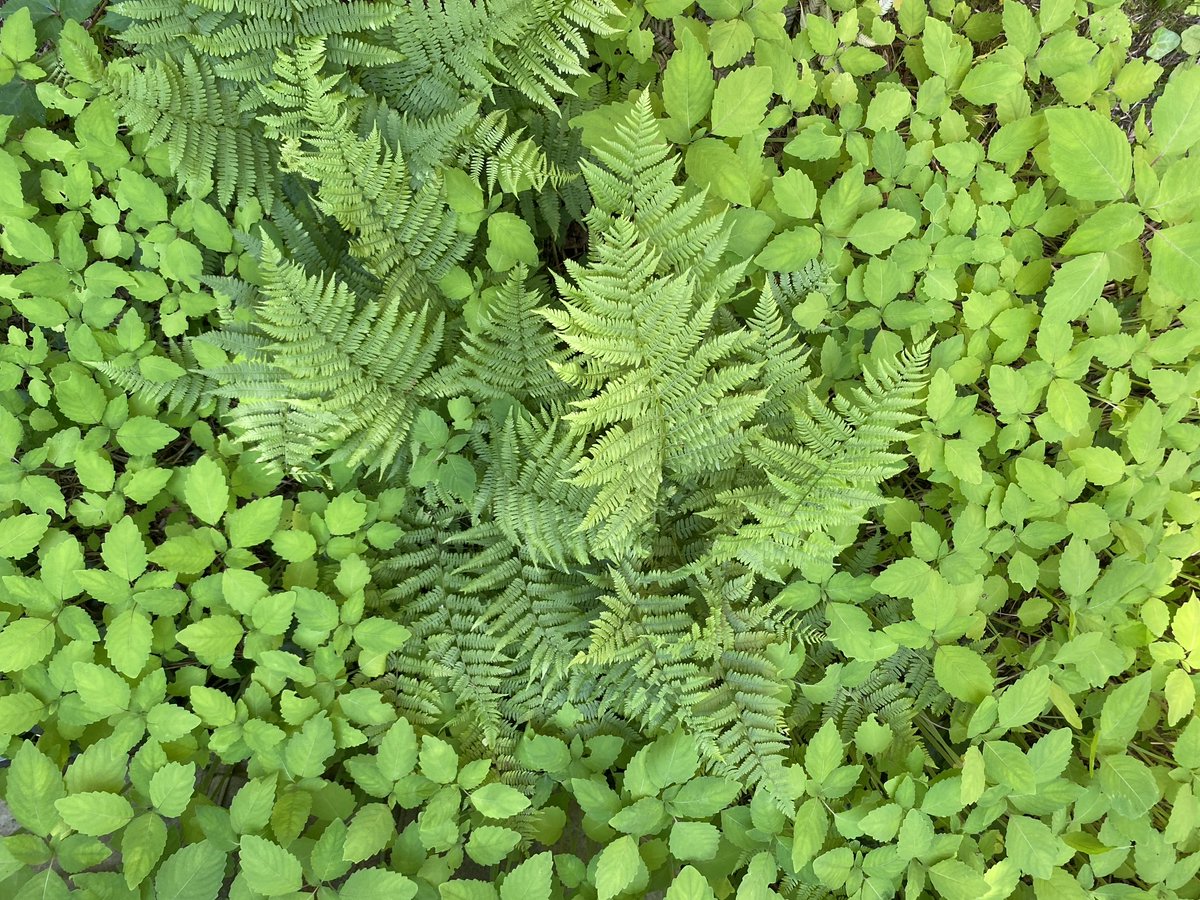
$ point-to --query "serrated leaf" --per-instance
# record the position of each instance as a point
(531, 880)
(1176, 115)
(25, 642)
(254, 523)
(96, 813)
(740, 101)
(251, 807)
(954, 880)
(213, 639)
(102, 690)
(1033, 847)
(123, 551)
(194, 872)
(991, 82)
(672, 759)
(1077, 286)
(143, 436)
(128, 642)
(1129, 786)
(34, 785)
(371, 830)
(703, 797)
(1025, 699)
(268, 868)
(171, 788)
(499, 801)
(1089, 154)
(616, 867)
(375, 884)
(1119, 715)
(694, 840)
(689, 884)
(307, 751)
(206, 491)
(880, 230)
(963, 673)
(490, 844)
(688, 82)
(142, 845)
(1175, 260)
(20, 534)
(809, 832)
(1078, 568)
(439, 760)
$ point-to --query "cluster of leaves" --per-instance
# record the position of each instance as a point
(415, 483)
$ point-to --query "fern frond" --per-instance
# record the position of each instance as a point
(636, 182)
(211, 143)
(187, 394)
(542, 42)
(499, 157)
(333, 369)
(405, 236)
(667, 397)
(533, 499)
(802, 491)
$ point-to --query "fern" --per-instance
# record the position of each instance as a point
(186, 394)
(634, 182)
(502, 158)
(800, 492)
(212, 143)
(328, 376)
(533, 498)
(665, 395)
(511, 354)
(242, 37)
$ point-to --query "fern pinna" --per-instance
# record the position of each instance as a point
(634, 471)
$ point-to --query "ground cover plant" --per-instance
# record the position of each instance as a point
(537, 449)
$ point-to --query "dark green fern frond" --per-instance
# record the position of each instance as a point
(566, 199)
(424, 142)
(540, 43)
(244, 36)
(345, 372)
(533, 499)
(446, 48)
(405, 236)
(805, 492)
(316, 242)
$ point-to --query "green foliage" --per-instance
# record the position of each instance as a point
(526, 450)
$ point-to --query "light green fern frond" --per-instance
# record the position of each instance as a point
(783, 371)
(210, 141)
(184, 394)
(667, 396)
(499, 157)
(533, 499)
(636, 182)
